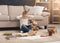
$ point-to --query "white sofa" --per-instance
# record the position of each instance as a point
(9, 13)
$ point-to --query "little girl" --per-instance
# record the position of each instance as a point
(24, 22)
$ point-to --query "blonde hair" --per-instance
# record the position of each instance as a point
(25, 12)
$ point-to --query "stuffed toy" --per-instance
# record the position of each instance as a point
(34, 27)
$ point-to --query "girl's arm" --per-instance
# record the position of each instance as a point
(18, 17)
(31, 16)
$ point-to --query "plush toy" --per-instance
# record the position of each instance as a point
(52, 30)
(32, 33)
(7, 33)
(33, 21)
(35, 27)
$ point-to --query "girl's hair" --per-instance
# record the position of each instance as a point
(25, 12)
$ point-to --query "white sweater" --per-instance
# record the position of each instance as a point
(23, 21)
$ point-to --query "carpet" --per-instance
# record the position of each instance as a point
(51, 39)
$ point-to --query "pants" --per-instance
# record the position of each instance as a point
(25, 28)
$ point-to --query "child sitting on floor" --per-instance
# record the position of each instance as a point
(24, 22)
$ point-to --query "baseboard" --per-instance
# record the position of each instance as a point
(9, 28)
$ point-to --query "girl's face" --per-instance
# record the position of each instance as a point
(25, 15)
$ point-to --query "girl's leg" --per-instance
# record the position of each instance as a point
(24, 28)
(30, 27)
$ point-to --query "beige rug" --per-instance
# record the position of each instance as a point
(52, 39)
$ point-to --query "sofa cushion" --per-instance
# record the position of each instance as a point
(36, 10)
(4, 24)
(38, 17)
(45, 14)
(4, 9)
(27, 7)
(15, 11)
(4, 12)
(4, 17)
